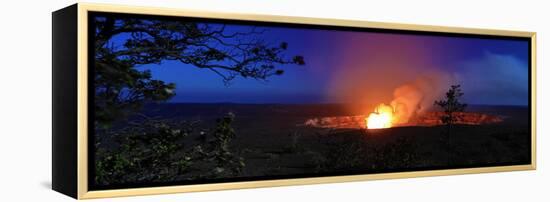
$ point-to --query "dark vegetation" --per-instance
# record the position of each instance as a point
(272, 142)
(158, 150)
(121, 89)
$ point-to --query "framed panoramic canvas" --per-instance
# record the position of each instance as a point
(151, 100)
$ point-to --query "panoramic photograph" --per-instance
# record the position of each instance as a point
(189, 101)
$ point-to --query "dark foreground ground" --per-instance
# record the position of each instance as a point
(273, 141)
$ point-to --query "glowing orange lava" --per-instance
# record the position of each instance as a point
(382, 117)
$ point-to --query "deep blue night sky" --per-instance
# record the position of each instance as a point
(347, 66)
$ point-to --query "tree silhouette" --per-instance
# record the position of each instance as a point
(120, 88)
(451, 105)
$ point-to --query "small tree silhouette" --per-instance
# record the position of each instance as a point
(451, 106)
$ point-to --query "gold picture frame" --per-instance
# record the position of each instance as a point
(81, 166)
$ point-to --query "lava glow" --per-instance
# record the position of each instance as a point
(382, 117)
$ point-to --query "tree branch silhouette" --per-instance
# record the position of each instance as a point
(121, 88)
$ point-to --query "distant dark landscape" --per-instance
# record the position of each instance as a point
(273, 140)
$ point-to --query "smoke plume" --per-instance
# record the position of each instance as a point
(416, 97)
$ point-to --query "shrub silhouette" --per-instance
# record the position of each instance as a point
(159, 151)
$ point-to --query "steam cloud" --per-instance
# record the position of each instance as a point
(400, 74)
(416, 97)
